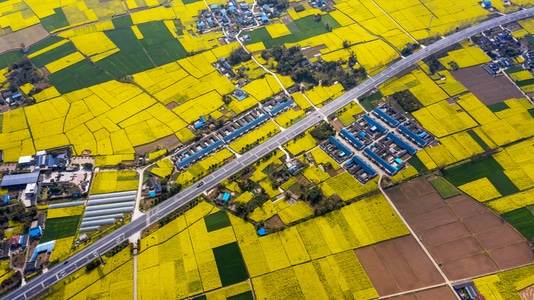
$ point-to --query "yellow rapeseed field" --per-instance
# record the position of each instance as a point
(64, 212)
(481, 189)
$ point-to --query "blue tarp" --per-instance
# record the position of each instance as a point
(340, 145)
(373, 123)
(262, 232)
(379, 160)
(245, 128)
(199, 124)
(356, 142)
(421, 142)
(226, 197)
(4, 198)
(386, 117)
(397, 140)
(186, 161)
(398, 160)
(367, 168)
(280, 107)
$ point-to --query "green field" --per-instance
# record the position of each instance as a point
(514, 70)
(525, 82)
(415, 162)
(54, 54)
(243, 296)
(445, 189)
(523, 220)
(10, 57)
(301, 29)
(58, 228)
(230, 264)
(55, 21)
(159, 43)
(158, 47)
(44, 43)
(77, 76)
(477, 139)
(497, 107)
(487, 167)
(217, 220)
(122, 22)
(130, 59)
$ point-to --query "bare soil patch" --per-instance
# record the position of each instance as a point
(171, 105)
(528, 293)
(398, 265)
(312, 51)
(28, 36)
(170, 142)
(463, 236)
(487, 88)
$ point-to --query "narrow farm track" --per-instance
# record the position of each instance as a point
(80, 259)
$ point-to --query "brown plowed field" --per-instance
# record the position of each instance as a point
(488, 89)
(398, 265)
(440, 293)
(464, 237)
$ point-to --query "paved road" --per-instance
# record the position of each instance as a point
(80, 259)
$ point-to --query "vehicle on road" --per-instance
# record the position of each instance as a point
(200, 184)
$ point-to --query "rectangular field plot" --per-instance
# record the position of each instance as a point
(217, 220)
(230, 264)
(59, 228)
(444, 188)
(523, 220)
(487, 167)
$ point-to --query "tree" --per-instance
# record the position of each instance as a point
(238, 56)
(227, 99)
(346, 44)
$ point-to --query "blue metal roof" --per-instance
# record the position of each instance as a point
(420, 141)
(368, 169)
(397, 140)
(280, 107)
(48, 247)
(373, 122)
(184, 162)
(20, 179)
(262, 232)
(356, 142)
(35, 231)
(243, 129)
(386, 117)
(340, 146)
(379, 160)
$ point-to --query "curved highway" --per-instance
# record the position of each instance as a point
(80, 259)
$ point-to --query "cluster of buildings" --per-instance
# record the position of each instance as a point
(501, 46)
(44, 170)
(383, 140)
(232, 130)
(234, 15)
(12, 98)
